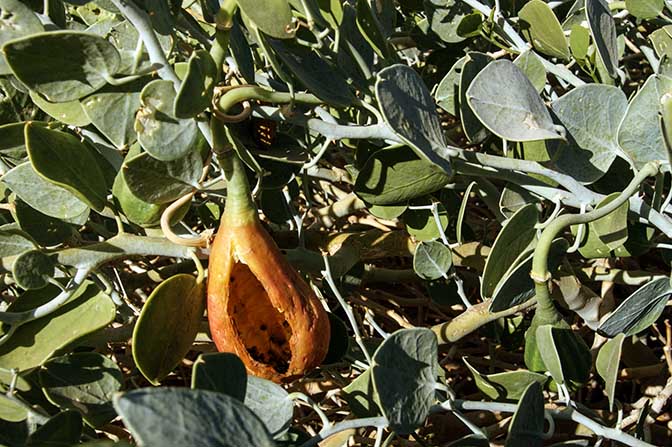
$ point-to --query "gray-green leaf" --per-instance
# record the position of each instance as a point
(432, 260)
(640, 134)
(273, 18)
(33, 269)
(591, 114)
(112, 111)
(33, 343)
(156, 181)
(220, 371)
(41, 194)
(182, 416)
(507, 103)
(394, 176)
(645, 9)
(70, 113)
(18, 21)
(67, 162)
(319, 76)
(62, 65)
(271, 403)
(514, 239)
(639, 310)
(603, 29)
(607, 363)
(404, 375)
(530, 64)
(543, 29)
(160, 133)
(409, 109)
(527, 425)
(83, 381)
(167, 325)
(508, 385)
(196, 89)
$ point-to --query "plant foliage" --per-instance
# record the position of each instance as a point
(478, 193)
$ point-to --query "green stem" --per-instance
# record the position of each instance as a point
(240, 94)
(224, 21)
(545, 307)
(239, 209)
(473, 318)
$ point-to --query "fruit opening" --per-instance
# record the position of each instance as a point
(264, 331)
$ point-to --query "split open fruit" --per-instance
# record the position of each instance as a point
(259, 307)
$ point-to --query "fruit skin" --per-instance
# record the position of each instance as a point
(258, 306)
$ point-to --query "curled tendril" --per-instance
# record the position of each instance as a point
(202, 240)
(225, 117)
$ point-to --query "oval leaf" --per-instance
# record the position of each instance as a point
(160, 133)
(319, 76)
(409, 109)
(181, 416)
(67, 162)
(62, 65)
(271, 403)
(63, 429)
(46, 230)
(393, 176)
(421, 223)
(220, 371)
(274, 18)
(591, 114)
(508, 385)
(18, 21)
(156, 181)
(83, 381)
(13, 241)
(41, 194)
(543, 29)
(70, 112)
(472, 125)
(645, 9)
(432, 260)
(369, 26)
(565, 355)
(507, 103)
(517, 286)
(640, 133)
(196, 89)
(612, 229)
(362, 396)
(167, 326)
(33, 343)
(33, 269)
(533, 68)
(448, 91)
(527, 425)
(11, 410)
(112, 111)
(445, 17)
(404, 375)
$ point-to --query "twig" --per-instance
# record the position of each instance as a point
(568, 413)
(349, 424)
(141, 22)
(326, 273)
